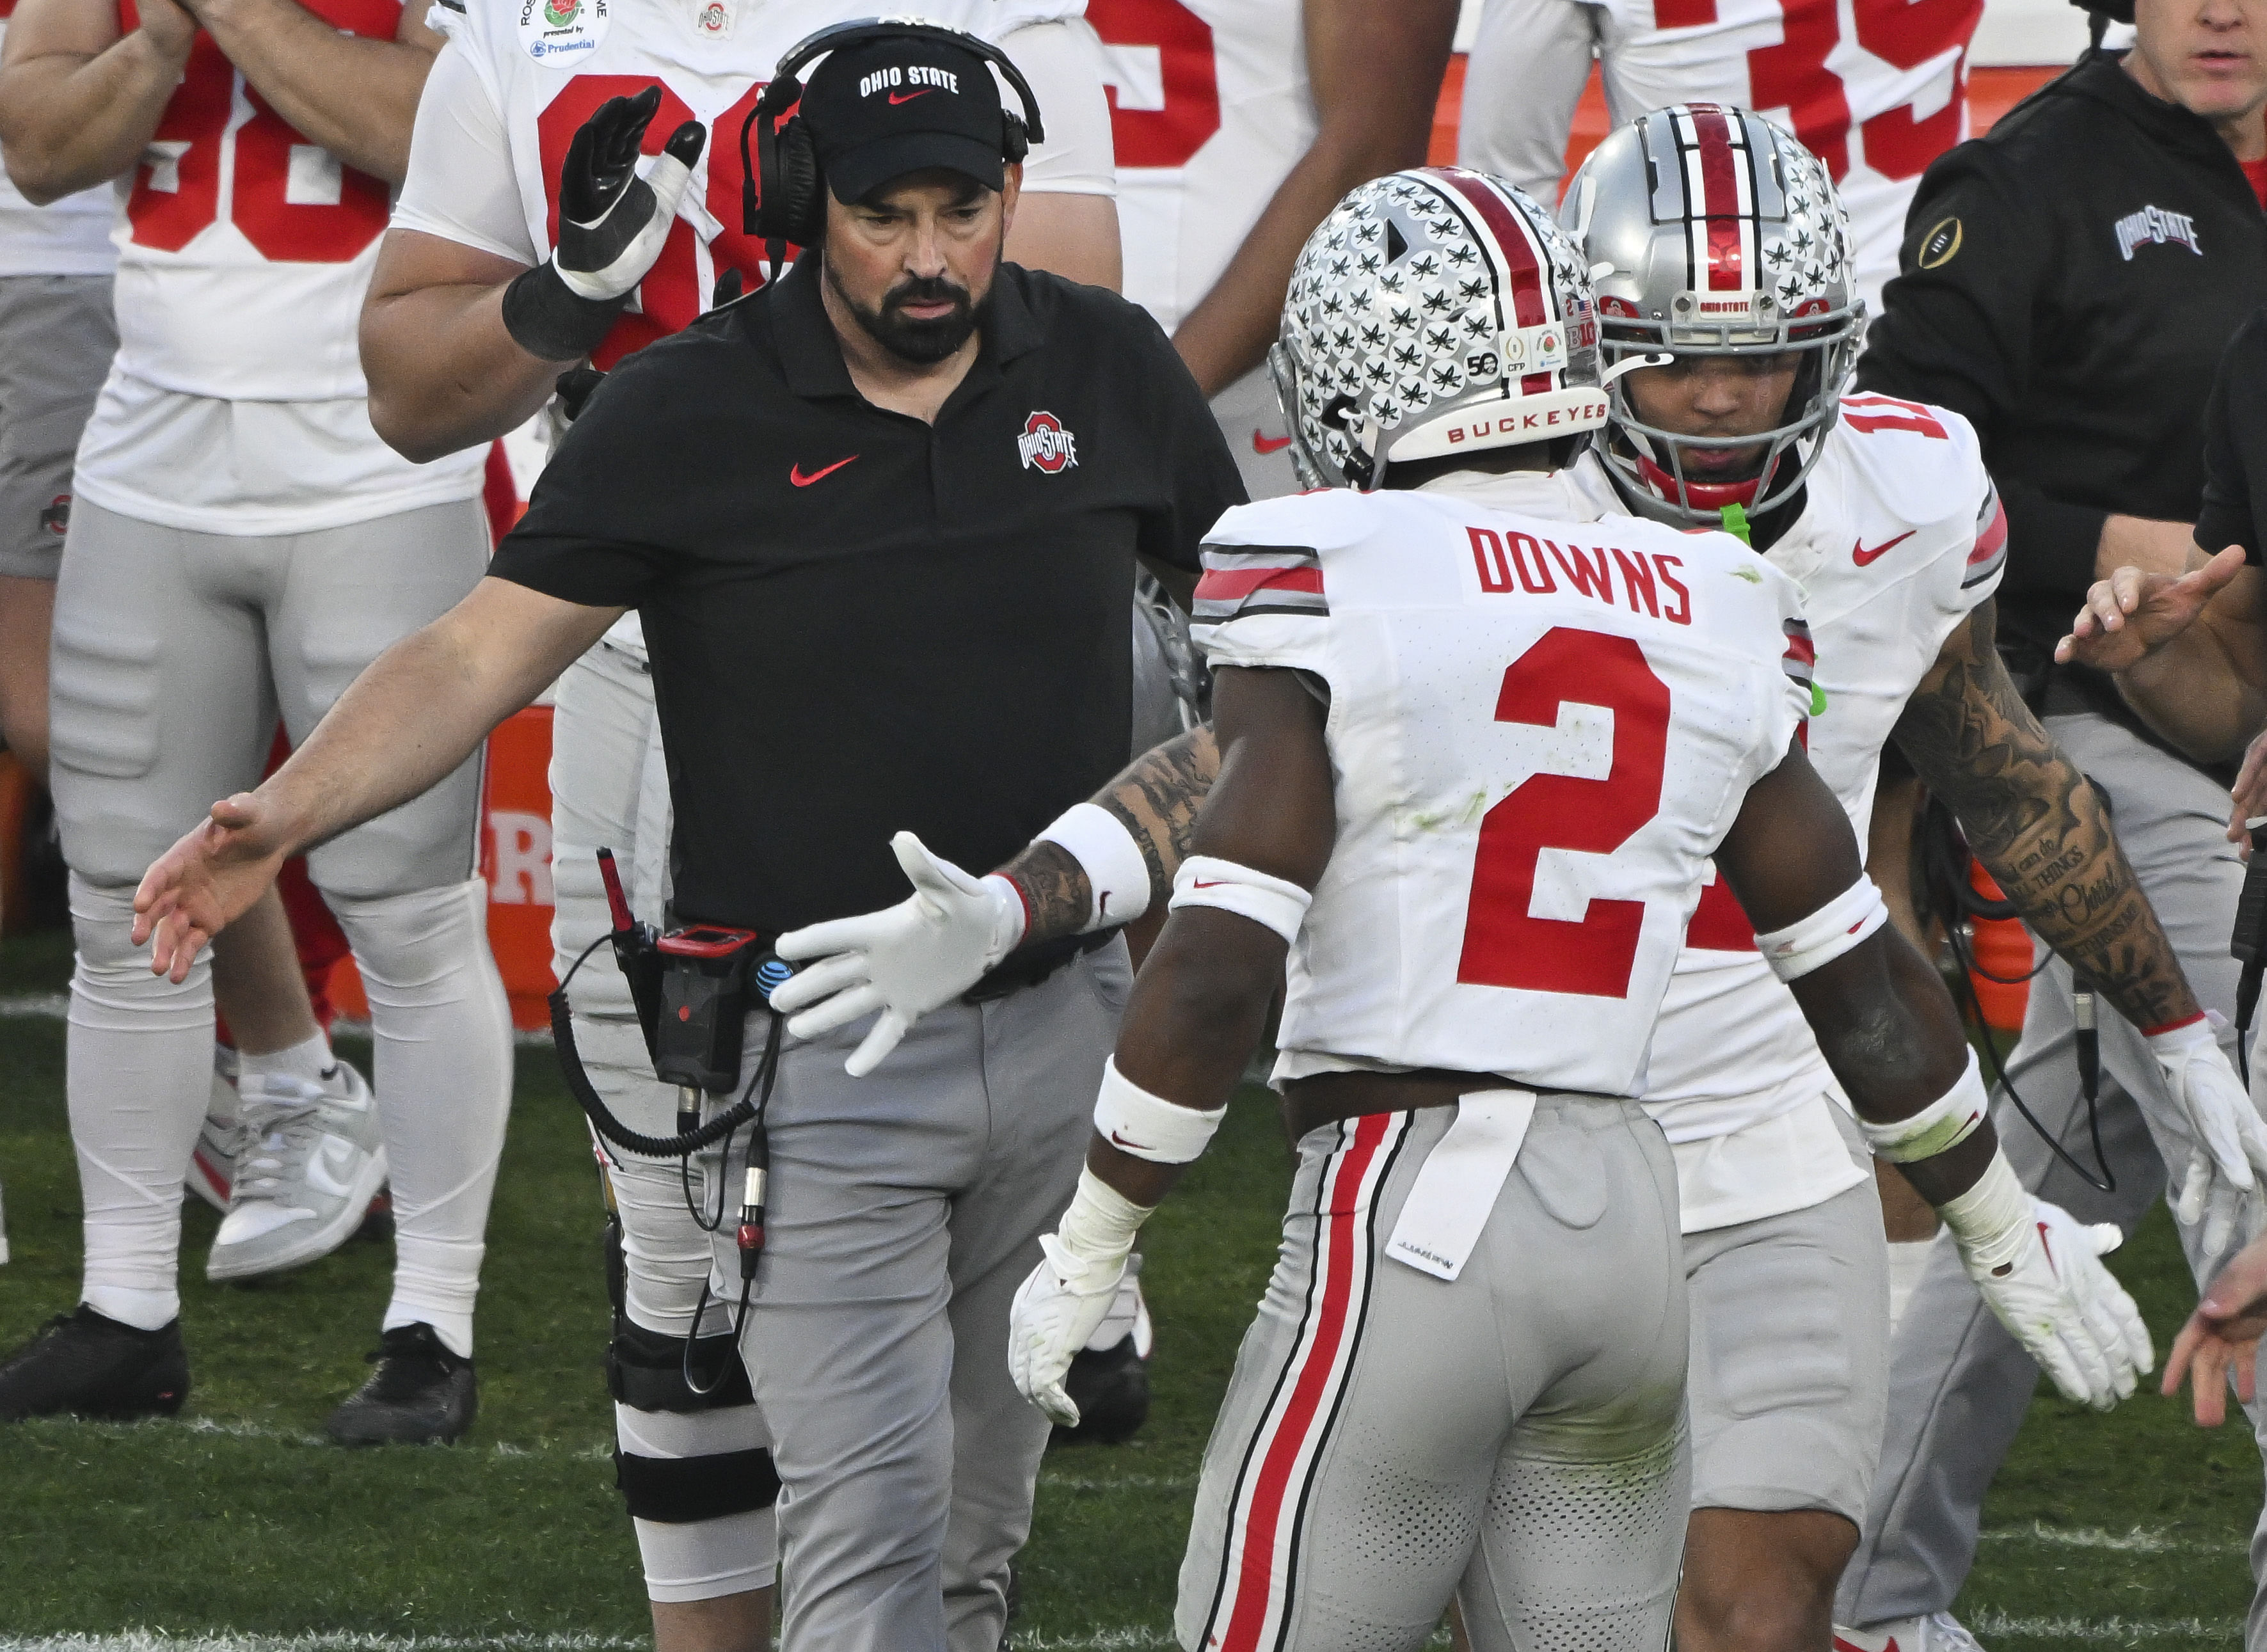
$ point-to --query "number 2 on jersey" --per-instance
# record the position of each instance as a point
(1505, 945)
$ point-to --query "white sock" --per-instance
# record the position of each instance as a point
(442, 1028)
(1907, 1261)
(311, 1059)
(138, 1073)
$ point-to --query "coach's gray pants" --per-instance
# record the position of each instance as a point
(906, 1209)
(1959, 1384)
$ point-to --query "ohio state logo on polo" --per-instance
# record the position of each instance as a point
(1046, 445)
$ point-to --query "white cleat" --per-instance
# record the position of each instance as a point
(212, 1165)
(311, 1163)
(1938, 1631)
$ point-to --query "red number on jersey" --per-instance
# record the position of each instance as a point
(670, 297)
(1505, 945)
(1179, 118)
(177, 190)
(1874, 412)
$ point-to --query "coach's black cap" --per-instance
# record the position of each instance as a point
(887, 107)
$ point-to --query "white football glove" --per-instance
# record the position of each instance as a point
(2230, 1141)
(1069, 1294)
(2041, 1276)
(903, 960)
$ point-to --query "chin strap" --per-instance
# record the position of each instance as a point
(1711, 496)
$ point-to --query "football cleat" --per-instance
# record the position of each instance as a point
(212, 1165)
(85, 1364)
(421, 1394)
(310, 1162)
(1936, 1632)
(1109, 1378)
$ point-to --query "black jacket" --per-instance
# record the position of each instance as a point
(2069, 282)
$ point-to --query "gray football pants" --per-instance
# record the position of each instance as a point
(906, 1210)
(1959, 1384)
(1514, 1437)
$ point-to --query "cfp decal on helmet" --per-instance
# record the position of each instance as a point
(1047, 446)
(1435, 311)
(1710, 232)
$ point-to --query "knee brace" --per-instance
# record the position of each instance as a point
(678, 1491)
(645, 1369)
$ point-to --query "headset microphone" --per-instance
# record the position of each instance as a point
(2248, 945)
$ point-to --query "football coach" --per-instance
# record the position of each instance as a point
(880, 520)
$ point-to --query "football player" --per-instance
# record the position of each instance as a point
(1239, 124)
(478, 209)
(1883, 512)
(1876, 93)
(1478, 738)
(240, 545)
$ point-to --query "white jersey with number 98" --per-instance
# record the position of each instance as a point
(1539, 731)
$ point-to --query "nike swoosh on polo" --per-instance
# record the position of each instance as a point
(1860, 555)
(897, 98)
(794, 472)
(1269, 444)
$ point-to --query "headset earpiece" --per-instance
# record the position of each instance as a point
(802, 208)
(1015, 141)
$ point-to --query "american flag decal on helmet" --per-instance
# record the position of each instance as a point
(1242, 580)
(1801, 657)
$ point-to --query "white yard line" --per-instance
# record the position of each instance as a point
(238, 1428)
(222, 1641)
(2108, 1631)
(2140, 1540)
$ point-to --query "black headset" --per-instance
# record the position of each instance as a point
(792, 203)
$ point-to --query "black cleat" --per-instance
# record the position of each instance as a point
(86, 1364)
(1110, 1388)
(421, 1394)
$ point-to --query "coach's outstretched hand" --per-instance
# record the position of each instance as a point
(205, 882)
(2135, 612)
(2222, 1335)
(903, 960)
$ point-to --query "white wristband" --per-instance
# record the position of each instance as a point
(1808, 944)
(1990, 1219)
(1111, 859)
(1148, 1127)
(1273, 903)
(1939, 1128)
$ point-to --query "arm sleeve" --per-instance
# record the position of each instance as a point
(2234, 422)
(1958, 329)
(1197, 477)
(461, 185)
(1063, 62)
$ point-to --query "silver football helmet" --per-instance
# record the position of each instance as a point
(1710, 230)
(1435, 311)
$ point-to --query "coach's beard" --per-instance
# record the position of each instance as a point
(923, 340)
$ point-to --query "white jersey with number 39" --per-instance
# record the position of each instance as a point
(1540, 730)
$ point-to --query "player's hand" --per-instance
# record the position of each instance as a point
(206, 881)
(171, 28)
(2134, 612)
(2229, 1149)
(611, 222)
(903, 960)
(2222, 1335)
(2251, 794)
(2068, 1311)
(1056, 1313)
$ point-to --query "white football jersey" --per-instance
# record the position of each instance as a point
(1901, 536)
(1210, 109)
(543, 67)
(1876, 92)
(69, 237)
(1539, 732)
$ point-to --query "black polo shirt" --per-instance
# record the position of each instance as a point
(861, 623)
(2235, 444)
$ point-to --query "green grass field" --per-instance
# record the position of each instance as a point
(236, 1525)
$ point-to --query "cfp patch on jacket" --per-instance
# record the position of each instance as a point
(2154, 227)
(1940, 246)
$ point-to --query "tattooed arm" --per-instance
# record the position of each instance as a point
(2034, 819)
(1156, 800)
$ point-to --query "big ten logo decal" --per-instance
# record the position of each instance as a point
(519, 854)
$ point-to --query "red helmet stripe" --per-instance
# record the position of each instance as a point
(1719, 186)
(1522, 261)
